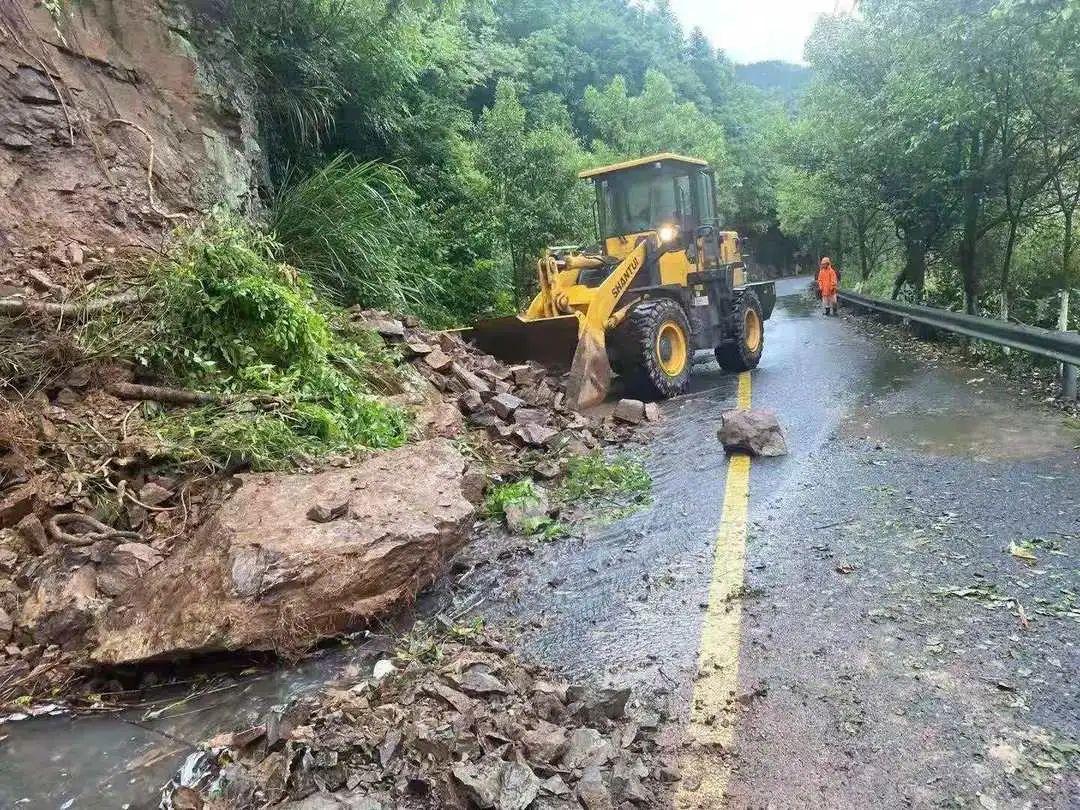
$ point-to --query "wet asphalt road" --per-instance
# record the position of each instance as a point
(893, 653)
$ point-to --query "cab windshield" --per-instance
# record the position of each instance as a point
(645, 199)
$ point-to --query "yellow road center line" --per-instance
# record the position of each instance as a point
(706, 764)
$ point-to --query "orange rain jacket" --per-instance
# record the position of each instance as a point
(826, 279)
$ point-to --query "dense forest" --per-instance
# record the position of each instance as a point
(421, 154)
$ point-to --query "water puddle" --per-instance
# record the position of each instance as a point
(1005, 436)
(949, 410)
(123, 759)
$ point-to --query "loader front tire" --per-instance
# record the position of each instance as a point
(744, 352)
(652, 349)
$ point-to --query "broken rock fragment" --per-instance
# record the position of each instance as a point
(492, 783)
(755, 432)
(631, 411)
(506, 404)
(325, 512)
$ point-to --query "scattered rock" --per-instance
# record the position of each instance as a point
(6, 626)
(412, 741)
(387, 327)
(326, 512)
(492, 783)
(17, 504)
(755, 432)
(546, 743)
(631, 411)
(32, 532)
(599, 703)
(592, 792)
(470, 380)
(476, 681)
(471, 402)
(75, 254)
(534, 434)
(417, 348)
(530, 416)
(41, 280)
(437, 360)
(153, 494)
(16, 141)
(587, 747)
(652, 412)
(506, 404)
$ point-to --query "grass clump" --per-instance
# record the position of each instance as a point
(232, 319)
(594, 477)
(352, 229)
(501, 496)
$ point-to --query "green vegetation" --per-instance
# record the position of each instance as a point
(293, 378)
(937, 152)
(351, 228)
(501, 496)
(423, 154)
(594, 477)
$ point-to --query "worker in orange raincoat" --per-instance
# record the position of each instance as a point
(828, 283)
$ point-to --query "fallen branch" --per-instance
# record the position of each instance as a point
(31, 306)
(173, 396)
(97, 530)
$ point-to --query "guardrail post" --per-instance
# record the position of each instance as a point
(1069, 373)
(1069, 376)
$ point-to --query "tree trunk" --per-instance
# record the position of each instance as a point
(864, 260)
(1067, 246)
(969, 240)
(1006, 266)
(914, 272)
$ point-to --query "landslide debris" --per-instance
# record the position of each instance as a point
(129, 424)
(461, 722)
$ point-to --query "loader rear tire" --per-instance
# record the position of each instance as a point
(744, 352)
(652, 349)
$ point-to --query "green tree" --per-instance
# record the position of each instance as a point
(533, 193)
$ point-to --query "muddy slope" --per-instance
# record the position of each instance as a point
(87, 101)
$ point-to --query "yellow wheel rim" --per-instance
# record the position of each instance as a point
(671, 349)
(752, 330)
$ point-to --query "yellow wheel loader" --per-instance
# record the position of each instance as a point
(664, 283)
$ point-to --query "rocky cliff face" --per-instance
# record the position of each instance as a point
(117, 119)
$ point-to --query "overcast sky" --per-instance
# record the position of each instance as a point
(756, 30)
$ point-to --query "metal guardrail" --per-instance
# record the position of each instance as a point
(1061, 346)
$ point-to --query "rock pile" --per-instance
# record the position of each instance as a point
(522, 408)
(477, 729)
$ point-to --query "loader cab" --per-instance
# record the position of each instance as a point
(668, 194)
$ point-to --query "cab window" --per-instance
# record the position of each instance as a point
(644, 199)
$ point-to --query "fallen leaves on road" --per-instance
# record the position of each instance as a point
(1022, 551)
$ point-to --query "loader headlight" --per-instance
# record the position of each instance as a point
(668, 233)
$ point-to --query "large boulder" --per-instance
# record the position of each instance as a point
(262, 575)
(755, 432)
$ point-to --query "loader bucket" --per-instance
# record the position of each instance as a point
(549, 341)
(552, 342)
(590, 373)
